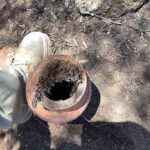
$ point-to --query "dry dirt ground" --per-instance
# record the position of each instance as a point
(117, 57)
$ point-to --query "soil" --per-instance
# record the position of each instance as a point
(116, 54)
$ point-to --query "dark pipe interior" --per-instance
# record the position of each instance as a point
(59, 79)
(61, 90)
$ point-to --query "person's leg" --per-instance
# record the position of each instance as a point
(13, 107)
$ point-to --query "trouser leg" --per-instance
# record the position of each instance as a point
(13, 106)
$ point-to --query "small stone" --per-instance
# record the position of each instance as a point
(88, 6)
(108, 8)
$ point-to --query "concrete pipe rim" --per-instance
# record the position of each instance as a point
(49, 107)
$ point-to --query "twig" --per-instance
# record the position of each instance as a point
(108, 21)
(146, 30)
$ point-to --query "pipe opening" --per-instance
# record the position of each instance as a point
(60, 79)
(61, 90)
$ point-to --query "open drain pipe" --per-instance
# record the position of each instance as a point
(59, 90)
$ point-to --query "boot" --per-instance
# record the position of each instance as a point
(33, 49)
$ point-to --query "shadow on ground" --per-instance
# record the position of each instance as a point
(33, 135)
(92, 107)
(111, 136)
(95, 135)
